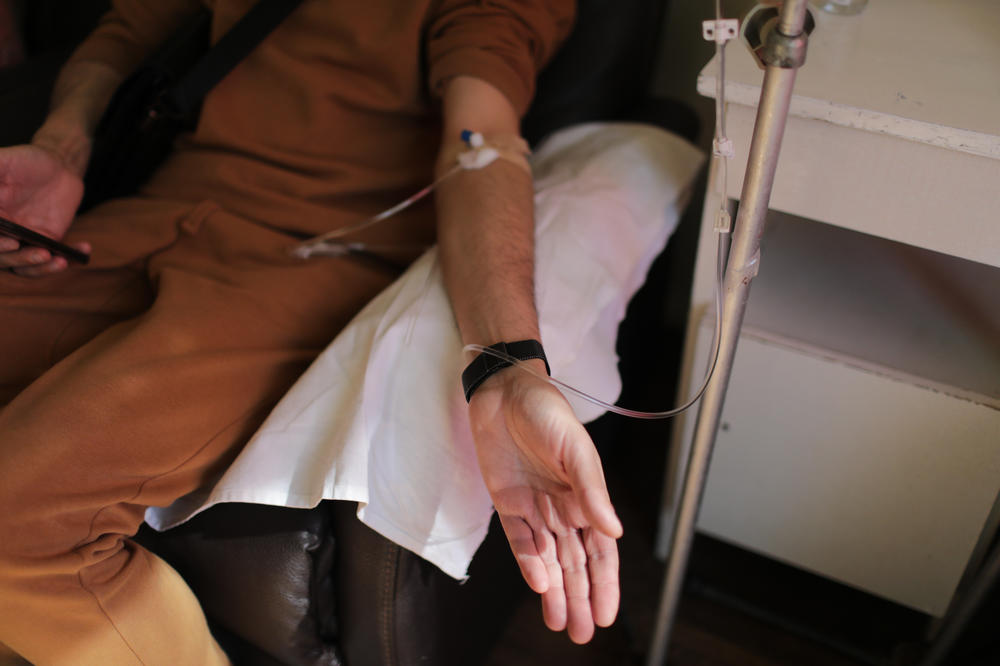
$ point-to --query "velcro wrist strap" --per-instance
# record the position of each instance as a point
(486, 365)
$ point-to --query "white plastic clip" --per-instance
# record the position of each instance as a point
(723, 147)
(723, 221)
(720, 31)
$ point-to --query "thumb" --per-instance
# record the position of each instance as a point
(586, 475)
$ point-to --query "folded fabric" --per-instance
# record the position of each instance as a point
(380, 418)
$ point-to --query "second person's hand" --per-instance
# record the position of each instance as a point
(40, 191)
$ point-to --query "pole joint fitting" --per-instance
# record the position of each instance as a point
(771, 47)
(783, 51)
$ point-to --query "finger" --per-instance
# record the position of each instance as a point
(573, 559)
(529, 560)
(554, 598)
(602, 563)
(600, 513)
(565, 520)
(29, 256)
(54, 265)
(8, 244)
(573, 562)
(586, 476)
(554, 608)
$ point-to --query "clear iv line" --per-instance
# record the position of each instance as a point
(322, 244)
(523, 365)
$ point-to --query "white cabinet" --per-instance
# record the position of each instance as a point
(860, 436)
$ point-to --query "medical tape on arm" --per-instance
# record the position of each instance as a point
(478, 151)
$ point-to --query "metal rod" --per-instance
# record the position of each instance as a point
(772, 111)
(965, 610)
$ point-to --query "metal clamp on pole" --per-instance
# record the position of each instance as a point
(769, 44)
(780, 40)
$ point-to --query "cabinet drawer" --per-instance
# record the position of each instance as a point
(856, 475)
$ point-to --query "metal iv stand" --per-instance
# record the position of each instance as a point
(779, 43)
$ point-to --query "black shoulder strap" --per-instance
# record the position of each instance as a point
(232, 48)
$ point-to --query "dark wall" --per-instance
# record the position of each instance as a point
(57, 25)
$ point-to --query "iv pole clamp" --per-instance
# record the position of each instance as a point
(778, 41)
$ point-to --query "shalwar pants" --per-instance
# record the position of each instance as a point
(126, 384)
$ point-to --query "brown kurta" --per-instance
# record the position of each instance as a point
(132, 381)
(334, 117)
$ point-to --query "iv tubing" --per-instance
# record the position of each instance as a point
(306, 248)
(521, 365)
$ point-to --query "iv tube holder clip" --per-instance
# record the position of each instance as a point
(720, 31)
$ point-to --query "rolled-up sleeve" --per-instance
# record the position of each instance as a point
(132, 29)
(503, 42)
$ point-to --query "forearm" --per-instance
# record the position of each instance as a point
(125, 36)
(486, 240)
(486, 231)
(81, 94)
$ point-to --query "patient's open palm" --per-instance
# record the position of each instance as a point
(547, 484)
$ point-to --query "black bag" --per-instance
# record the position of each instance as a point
(163, 98)
(138, 128)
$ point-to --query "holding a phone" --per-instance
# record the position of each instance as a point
(40, 189)
(27, 237)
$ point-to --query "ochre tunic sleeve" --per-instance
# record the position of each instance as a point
(132, 29)
(504, 42)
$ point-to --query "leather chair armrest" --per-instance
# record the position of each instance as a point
(317, 587)
(397, 609)
(264, 575)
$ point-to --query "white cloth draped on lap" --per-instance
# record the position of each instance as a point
(380, 418)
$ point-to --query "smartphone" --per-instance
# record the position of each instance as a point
(35, 239)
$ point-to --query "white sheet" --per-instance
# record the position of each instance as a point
(380, 418)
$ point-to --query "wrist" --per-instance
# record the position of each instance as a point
(80, 96)
(486, 365)
(67, 140)
(508, 376)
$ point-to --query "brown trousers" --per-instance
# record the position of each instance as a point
(127, 384)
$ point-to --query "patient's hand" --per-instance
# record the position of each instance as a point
(547, 484)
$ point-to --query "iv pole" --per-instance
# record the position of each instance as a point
(782, 50)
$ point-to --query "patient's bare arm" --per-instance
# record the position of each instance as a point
(540, 466)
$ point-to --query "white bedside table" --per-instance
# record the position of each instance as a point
(860, 437)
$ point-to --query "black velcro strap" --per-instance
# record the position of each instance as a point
(485, 365)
